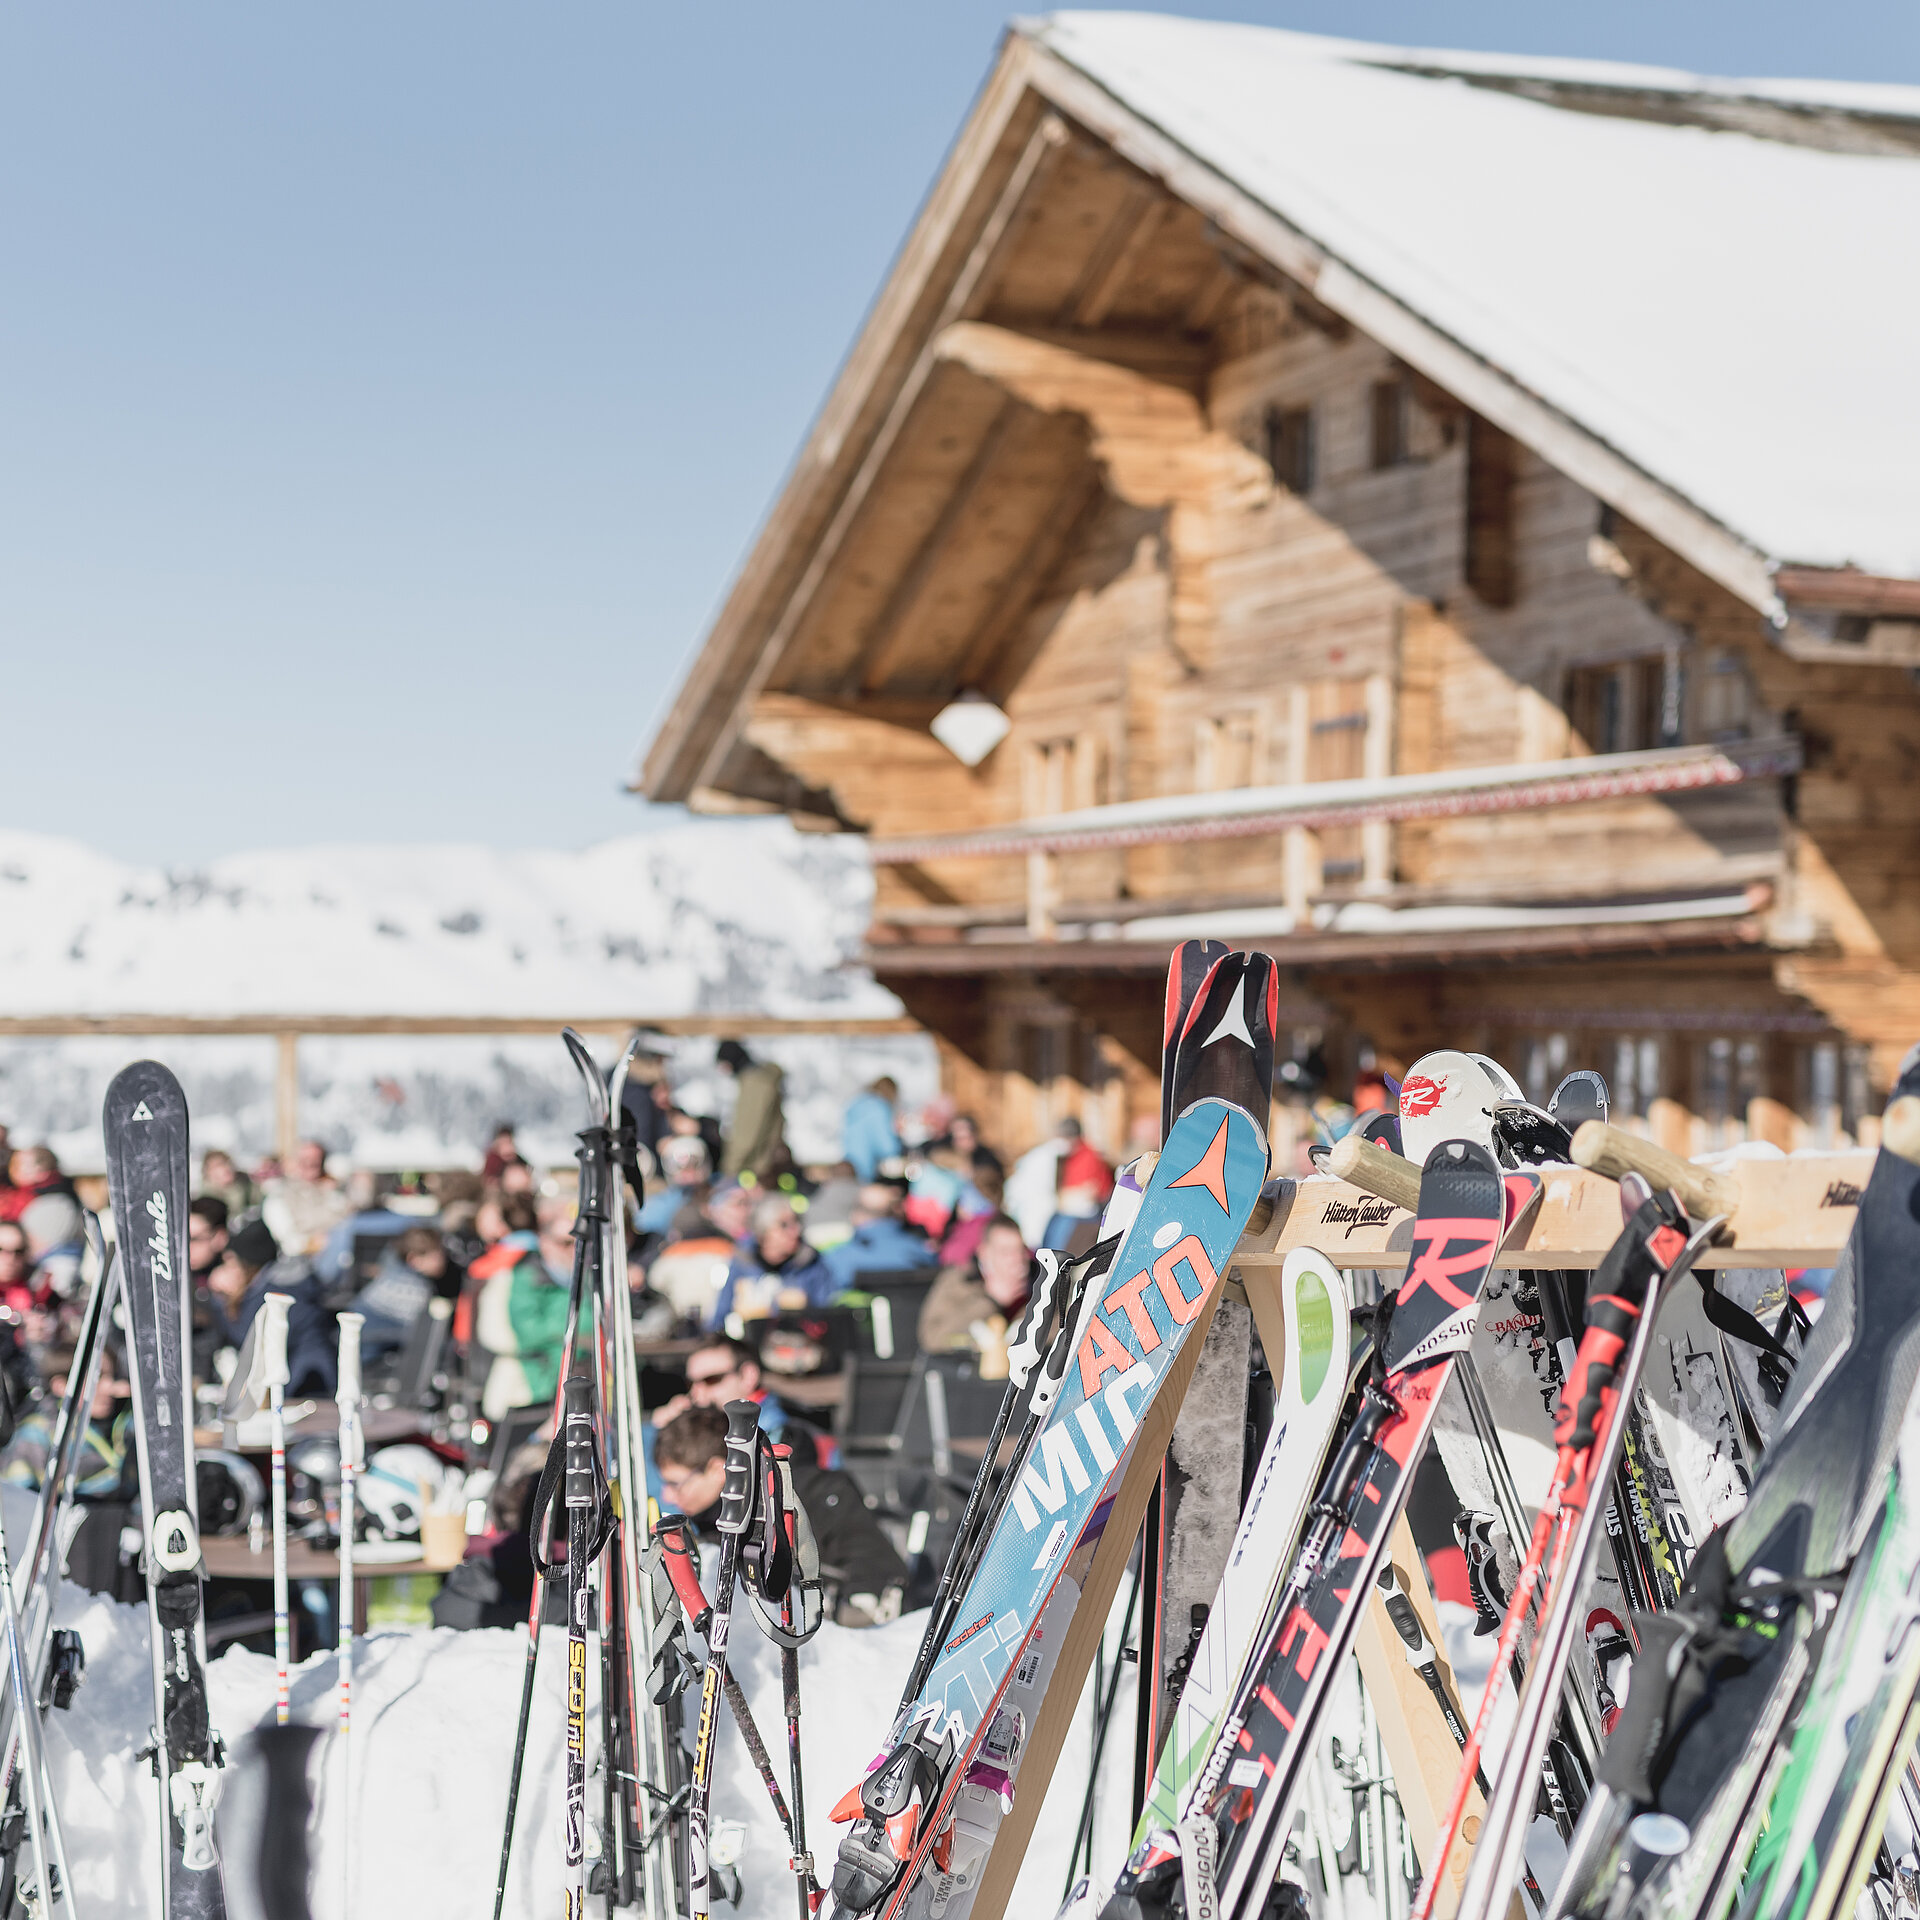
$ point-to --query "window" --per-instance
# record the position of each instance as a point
(1731, 1075)
(1289, 447)
(1491, 460)
(1337, 750)
(1546, 1067)
(1635, 1083)
(1229, 751)
(1625, 705)
(1389, 401)
(1062, 774)
(1725, 698)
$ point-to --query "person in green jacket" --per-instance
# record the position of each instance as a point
(757, 1139)
(521, 1316)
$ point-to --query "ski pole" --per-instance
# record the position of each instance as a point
(26, 1711)
(579, 1495)
(274, 1359)
(736, 1512)
(535, 1606)
(347, 1399)
(1588, 1402)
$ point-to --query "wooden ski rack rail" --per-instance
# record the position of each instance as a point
(1795, 1211)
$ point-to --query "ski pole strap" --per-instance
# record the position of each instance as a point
(572, 1468)
(672, 1551)
(1734, 1320)
(737, 1491)
(595, 1154)
(1649, 1243)
(625, 1140)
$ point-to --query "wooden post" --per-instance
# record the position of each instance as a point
(1042, 896)
(286, 1097)
(1376, 836)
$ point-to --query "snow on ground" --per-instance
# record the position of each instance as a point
(743, 916)
(432, 1743)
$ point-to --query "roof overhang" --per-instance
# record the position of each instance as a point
(1003, 156)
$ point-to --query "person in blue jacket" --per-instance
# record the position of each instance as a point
(868, 1136)
(776, 1269)
(881, 1241)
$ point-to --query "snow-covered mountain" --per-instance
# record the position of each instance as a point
(742, 916)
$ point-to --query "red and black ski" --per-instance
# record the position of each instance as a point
(1249, 1787)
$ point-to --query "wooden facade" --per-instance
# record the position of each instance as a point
(1120, 453)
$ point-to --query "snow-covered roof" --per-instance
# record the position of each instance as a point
(1717, 279)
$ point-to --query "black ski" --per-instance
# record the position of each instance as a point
(146, 1138)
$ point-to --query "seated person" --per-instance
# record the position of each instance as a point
(520, 1315)
(689, 1271)
(249, 1270)
(966, 1295)
(776, 1270)
(863, 1576)
(722, 1368)
(881, 1241)
(413, 1269)
(686, 1167)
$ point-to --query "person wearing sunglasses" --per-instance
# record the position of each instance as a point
(720, 1369)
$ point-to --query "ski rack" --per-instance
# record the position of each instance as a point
(1794, 1211)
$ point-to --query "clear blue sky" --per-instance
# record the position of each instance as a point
(388, 392)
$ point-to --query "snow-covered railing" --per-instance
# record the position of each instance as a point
(1245, 812)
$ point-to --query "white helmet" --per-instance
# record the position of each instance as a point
(398, 1485)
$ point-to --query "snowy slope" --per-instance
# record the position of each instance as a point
(742, 916)
(704, 916)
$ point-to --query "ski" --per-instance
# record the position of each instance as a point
(1686, 1777)
(145, 1124)
(1311, 1392)
(1251, 1783)
(1166, 1573)
(736, 1512)
(925, 1820)
(1624, 1302)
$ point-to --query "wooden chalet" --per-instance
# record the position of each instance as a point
(1448, 521)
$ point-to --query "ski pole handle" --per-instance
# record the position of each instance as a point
(736, 1494)
(1406, 1623)
(1611, 1151)
(1376, 1171)
(1025, 1352)
(274, 1338)
(578, 1470)
(347, 1392)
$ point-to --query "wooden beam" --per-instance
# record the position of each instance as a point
(1043, 146)
(884, 709)
(978, 660)
(286, 1096)
(871, 657)
(1849, 590)
(1112, 260)
(1797, 1213)
(287, 1025)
